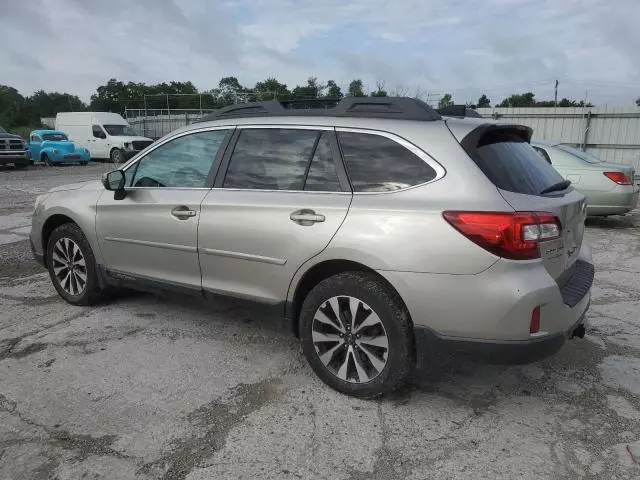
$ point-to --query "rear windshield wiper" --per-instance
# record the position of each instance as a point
(557, 187)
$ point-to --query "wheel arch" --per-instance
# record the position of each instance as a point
(50, 224)
(319, 272)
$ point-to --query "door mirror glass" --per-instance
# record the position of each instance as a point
(114, 181)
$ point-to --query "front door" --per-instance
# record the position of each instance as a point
(283, 198)
(152, 233)
(98, 145)
(35, 143)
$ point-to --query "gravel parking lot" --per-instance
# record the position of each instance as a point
(146, 387)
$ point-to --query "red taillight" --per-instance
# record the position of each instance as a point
(620, 178)
(535, 321)
(512, 235)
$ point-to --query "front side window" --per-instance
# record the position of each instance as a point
(122, 130)
(281, 159)
(380, 164)
(98, 132)
(184, 162)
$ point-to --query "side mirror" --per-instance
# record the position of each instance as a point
(114, 182)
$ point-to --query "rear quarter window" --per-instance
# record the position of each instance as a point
(379, 164)
(512, 164)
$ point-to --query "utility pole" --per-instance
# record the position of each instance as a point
(555, 101)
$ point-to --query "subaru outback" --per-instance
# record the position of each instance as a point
(381, 229)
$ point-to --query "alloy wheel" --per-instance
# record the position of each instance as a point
(350, 339)
(69, 266)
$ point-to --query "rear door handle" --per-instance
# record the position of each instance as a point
(183, 212)
(306, 217)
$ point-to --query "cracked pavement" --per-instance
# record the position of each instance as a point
(172, 388)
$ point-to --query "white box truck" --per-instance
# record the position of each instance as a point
(104, 134)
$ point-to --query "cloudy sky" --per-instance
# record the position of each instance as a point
(465, 47)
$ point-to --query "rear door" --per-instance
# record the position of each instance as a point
(521, 176)
(282, 198)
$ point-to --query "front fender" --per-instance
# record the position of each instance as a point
(77, 205)
(54, 157)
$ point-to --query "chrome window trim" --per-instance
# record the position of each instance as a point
(139, 156)
(285, 127)
(428, 159)
(324, 192)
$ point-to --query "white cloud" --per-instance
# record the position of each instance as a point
(467, 47)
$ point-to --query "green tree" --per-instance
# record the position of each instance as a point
(519, 100)
(445, 101)
(356, 89)
(484, 101)
(47, 104)
(333, 90)
(380, 91)
(14, 110)
(271, 89)
(311, 90)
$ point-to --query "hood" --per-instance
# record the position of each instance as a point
(62, 145)
(9, 135)
(124, 138)
(91, 185)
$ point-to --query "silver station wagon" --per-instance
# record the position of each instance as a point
(385, 232)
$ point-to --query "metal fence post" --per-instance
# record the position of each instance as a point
(585, 137)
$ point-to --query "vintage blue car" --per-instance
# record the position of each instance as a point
(54, 147)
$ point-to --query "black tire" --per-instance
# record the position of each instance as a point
(45, 160)
(117, 156)
(20, 166)
(387, 304)
(92, 293)
(84, 164)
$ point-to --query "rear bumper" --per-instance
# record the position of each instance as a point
(496, 305)
(20, 158)
(622, 199)
(429, 346)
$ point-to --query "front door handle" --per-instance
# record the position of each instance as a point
(183, 212)
(306, 217)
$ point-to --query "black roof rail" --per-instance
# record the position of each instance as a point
(400, 108)
(460, 111)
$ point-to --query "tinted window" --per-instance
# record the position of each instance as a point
(116, 130)
(271, 159)
(513, 165)
(379, 164)
(98, 132)
(542, 153)
(183, 162)
(322, 176)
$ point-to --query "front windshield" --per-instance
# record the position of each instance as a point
(580, 154)
(119, 130)
(56, 137)
(2, 130)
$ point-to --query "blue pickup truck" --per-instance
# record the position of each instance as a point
(54, 147)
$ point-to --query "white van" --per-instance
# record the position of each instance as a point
(104, 134)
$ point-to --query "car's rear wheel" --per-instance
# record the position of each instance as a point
(117, 156)
(356, 334)
(72, 266)
(84, 164)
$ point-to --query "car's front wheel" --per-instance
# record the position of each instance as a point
(356, 334)
(117, 156)
(72, 266)
(45, 160)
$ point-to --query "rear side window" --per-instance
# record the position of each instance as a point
(512, 164)
(379, 164)
(282, 159)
